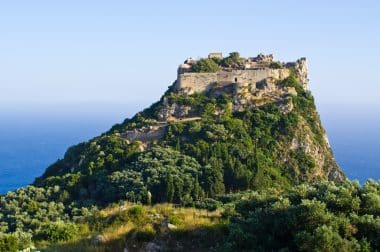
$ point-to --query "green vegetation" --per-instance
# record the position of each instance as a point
(205, 66)
(245, 180)
(319, 217)
(322, 216)
(276, 65)
(213, 65)
(233, 60)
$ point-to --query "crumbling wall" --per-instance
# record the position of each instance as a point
(251, 76)
(195, 82)
(200, 82)
(145, 134)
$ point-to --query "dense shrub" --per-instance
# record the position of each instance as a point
(205, 65)
(233, 60)
(57, 231)
(137, 215)
(8, 243)
(322, 217)
(208, 204)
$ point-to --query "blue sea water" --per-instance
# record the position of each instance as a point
(354, 136)
(30, 140)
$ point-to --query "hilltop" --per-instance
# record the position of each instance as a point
(239, 137)
(238, 123)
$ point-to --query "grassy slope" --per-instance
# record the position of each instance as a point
(196, 229)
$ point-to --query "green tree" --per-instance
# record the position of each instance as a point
(233, 60)
(205, 65)
(8, 243)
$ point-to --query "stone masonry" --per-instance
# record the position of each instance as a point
(255, 70)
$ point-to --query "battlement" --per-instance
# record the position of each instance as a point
(241, 72)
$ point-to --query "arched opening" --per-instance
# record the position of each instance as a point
(235, 79)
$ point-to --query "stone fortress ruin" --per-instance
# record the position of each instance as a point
(253, 82)
(251, 71)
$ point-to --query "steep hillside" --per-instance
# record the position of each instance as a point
(239, 138)
(229, 133)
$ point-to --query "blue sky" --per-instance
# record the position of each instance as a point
(125, 52)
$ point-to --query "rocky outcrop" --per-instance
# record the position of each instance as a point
(169, 111)
(261, 93)
(320, 153)
(301, 70)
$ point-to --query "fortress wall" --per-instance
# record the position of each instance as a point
(145, 136)
(152, 135)
(246, 77)
(199, 82)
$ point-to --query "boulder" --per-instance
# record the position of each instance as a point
(98, 239)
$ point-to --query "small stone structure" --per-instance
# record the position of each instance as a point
(145, 134)
(217, 55)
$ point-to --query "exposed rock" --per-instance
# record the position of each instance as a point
(152, 247)
(165, 226)
(98, 239)
(335, 174)
(261, 93)
(326, 140)
(263, 58)
(291, 91)
(171, 226)
(320, 153)
(286, 106)
(302, 72)
(173, 110)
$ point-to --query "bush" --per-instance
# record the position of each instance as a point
(304, 219)
(137, 215)
(208, 204)
(233, 60)
(205, 65)
(57, 231)
(8, 243)
(176, 219)
(228, 211)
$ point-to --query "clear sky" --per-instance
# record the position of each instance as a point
(89, 51)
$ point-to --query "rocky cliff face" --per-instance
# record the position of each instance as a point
(282, 90)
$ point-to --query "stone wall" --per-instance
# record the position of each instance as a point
(195, 82)
(145, 134)
(200, 82)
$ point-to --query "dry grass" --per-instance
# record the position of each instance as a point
(115, 236)
(115, 233)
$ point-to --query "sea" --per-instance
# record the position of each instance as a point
(33, 137)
